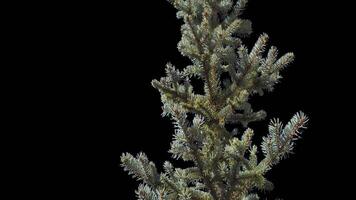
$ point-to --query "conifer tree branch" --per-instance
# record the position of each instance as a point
(207, 69)
(196, 154)
(184, 99)
(279, 142)
(225, 165)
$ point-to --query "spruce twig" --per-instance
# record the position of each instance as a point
(225, 164)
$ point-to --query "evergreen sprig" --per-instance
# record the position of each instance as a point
(225, 163)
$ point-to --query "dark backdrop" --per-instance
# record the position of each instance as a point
(118, 48)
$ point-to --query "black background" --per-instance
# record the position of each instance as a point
(110, 52)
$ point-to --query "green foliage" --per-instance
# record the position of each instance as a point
(141, 168)
(279, 142)
(225, 165)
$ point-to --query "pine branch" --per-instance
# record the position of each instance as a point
(180, 118)
(144, 192)
(141, 168)
(208, 71)
(225, 165)
(280, 142)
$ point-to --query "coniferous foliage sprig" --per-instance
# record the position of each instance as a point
(225, 165)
